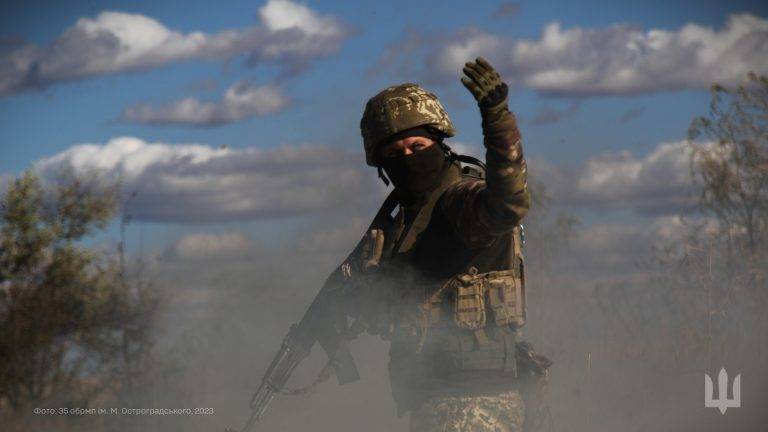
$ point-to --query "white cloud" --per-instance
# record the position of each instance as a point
(462, 148)
(669, 228)
(284, 14)
(116, 42)
(208, 246)
(623, 248)
(241, 101)
(654, 184)
(198, 183)
(618, 239)
(464, 48)
(337, 239)
(620, 59)
(618, 247)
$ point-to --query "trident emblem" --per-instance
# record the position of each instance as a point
(722, 402)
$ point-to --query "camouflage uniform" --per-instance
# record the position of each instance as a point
(499, 413)
(453, 370)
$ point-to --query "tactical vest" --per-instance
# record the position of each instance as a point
(451, 312)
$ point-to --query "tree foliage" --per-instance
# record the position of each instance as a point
(733, 170)
(70, 323)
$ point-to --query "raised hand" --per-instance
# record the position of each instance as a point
(485, 84)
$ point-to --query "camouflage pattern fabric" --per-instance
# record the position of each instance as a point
(399, 108)
(483, 210)
(500, 413)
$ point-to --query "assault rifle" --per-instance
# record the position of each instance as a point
(324, 322)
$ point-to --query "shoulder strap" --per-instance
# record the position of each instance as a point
(469, 160)
(385, 211)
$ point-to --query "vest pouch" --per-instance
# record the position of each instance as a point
(496, 355)
(506, 297)
(469, 310)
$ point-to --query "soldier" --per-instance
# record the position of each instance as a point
(443, 279)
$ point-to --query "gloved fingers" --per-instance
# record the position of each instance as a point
(494, 79)
(491, 75)
(476, 77)
(472, 87)
(486, 66)
(479, 71)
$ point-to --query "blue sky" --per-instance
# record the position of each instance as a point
(236, 123)
(565, 124)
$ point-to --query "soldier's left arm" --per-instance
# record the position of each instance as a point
(482, 210)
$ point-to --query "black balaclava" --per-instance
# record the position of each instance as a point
(417, 174)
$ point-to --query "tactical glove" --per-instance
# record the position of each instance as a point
(486, 86)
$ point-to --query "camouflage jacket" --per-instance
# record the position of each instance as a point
(482, 210)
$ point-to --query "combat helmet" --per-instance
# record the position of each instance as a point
(396, 109)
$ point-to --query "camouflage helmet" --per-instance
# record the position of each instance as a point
(398, 108)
